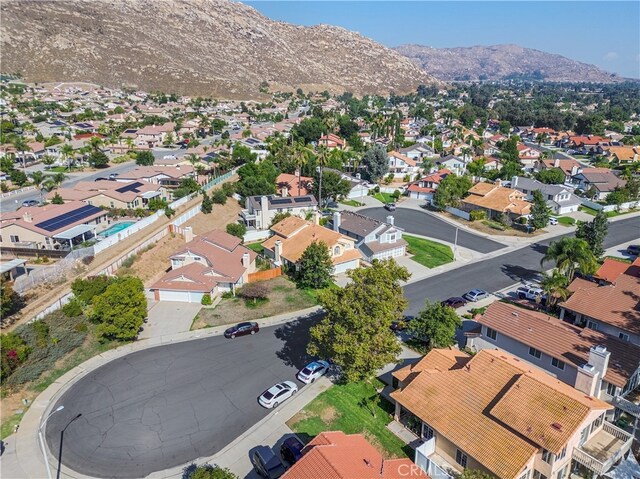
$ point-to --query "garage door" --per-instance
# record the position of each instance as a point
(182, 296)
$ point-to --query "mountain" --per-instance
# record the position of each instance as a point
(216, 48)
(499, 62)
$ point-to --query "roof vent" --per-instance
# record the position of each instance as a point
(513, 313)
(557, 426)
(368, 462)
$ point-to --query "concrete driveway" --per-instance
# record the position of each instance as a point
(169, 317)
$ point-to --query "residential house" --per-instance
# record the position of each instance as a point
(417, 152)
(293, 235)
(337, 455)
(260, 210)
(559, 199)
(601, 181)
(213, 263)
(498, 414)
(623, 154)
(569, 166)
(332, 142)
(152, 136)
(576, 356)
(425, 187)
(496, 200)
(587, 144)
(112, 194)
(50, 226)
(529, 157)
(293, 185)
(166, 176)
(375, 239)
(452, 163)
(401, 165)
(612, 308)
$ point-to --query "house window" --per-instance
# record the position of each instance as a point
(15, 239)
(563, 453)
(534, 352)
(593, 325)
(525, 475)
(623, 336)
(461, 458)
(547, 456)
(562, 472)
(492, 334)
(336, 251)
(538, 475)
(611, 389)
(427, 432)
(597, 423)
(556, 363)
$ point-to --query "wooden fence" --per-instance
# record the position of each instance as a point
(264, 275)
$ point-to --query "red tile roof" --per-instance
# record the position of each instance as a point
(611, 269)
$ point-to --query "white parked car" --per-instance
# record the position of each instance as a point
(553, 220)
(277, 393)
(313, 371)
(476, 295)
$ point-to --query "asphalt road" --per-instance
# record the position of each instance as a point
(502, 271)
(164, 406)
(425, 224)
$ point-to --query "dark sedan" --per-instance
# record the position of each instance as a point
(454, 302)
(241, 329)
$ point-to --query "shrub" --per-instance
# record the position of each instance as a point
(168, 212)
(396, 194)
(476, 215)
(206, 300)
(237, 229)
(121, 309)
(229, 188)
(219, 197)
(254, 291)
(388, 179)
(86, 289)
(227, 295)
(41, 330)
(11, 302)
(128, 262)
(73, 308)
(14, 352)
(4, 187)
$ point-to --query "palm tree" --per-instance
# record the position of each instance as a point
(555, 287)
(67, 151)
(22, 147)
(571, 254)
(193, 159)
(95, 142)
(37, 178)
(58, 179)
(321, 159)
(299, 160)
(129, 142)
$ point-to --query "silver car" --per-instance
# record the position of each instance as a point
(277, 393)
(313, 371)
(476, 295)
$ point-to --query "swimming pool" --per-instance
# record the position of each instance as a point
(116, 228)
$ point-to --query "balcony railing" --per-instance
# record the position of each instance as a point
(603, 449)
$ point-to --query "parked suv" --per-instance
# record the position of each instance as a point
(266, 463)
(531, 293)
(633, 249)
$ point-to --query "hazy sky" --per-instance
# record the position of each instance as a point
(604, 33)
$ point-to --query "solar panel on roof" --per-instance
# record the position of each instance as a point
(130, 187)
(130, 131)
(66, 219)
(301, 199)
(280, 201)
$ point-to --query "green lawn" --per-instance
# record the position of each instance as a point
(257, 247)
(384, 197)
(566, 220)
(610, 214)
(351, 203)
(428, 253)
(62, 169)
(343, 407)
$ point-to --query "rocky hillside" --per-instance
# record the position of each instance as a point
(500, 62)
(197, 47)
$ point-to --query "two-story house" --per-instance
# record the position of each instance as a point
(152, 136)
(417, 152)
(332, 142)
(559, 199)
(612, 306)
(496, 413)
(453, 163)
(569, 166)
(529, 157)
(495, 200)
(260, 210)
(601, 181)
(576, 356)
(375, 239)
(213, 263)
(424, 188)
(293, 235)
(401, 165)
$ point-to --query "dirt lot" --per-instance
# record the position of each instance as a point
(283, 297)
(153, 263)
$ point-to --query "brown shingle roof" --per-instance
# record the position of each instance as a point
(459, 405)
(561, 340)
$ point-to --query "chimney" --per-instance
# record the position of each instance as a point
(514, 181)
(337, 217)
(284, 192)
(264, 212)
(556, 162)
(599, 359)
(277, 249)
(246, 260)
(391, 220)
(574, 170)
(587, 379)
(316, 217)
(27, 217)
(358, 176)
(187, 233)
(498, 182)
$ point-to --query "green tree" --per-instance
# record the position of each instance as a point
(476, 167)
(309, 130)
(242, 154)
(316, 268)
(555, 287)
(18, 177)
(57, 199)
(475, 474)
(436, 324)
(121, 309)
(237, 229)
(451, 190)
(207, 471)
(333, 185)
(571, 254)
(207, 205)
(551, 176)
(257, 179)
(540, 212)
(355, 333)
(145, 158)
(594, 232)
(11, 301)
(376, 161)
(187, 186)
(278, 217)
(219, 197)
(98, 159)
(504, 127)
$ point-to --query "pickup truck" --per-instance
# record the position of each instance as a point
(530, 293)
